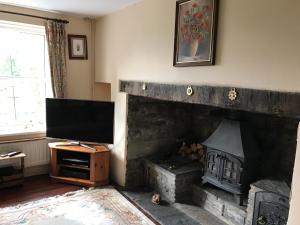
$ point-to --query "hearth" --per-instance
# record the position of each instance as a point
(231, 157)
(257, 147)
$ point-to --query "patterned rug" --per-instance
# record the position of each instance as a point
(104, 206)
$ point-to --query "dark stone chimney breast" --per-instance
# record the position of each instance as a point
(209, 149)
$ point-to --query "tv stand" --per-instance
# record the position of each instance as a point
(76, 143)
(80, 165)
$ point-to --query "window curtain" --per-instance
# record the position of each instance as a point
(56, 38)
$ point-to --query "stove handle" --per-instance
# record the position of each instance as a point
(221, 167)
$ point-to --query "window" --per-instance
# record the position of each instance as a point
(24, 78)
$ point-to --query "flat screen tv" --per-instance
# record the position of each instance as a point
(80, 120)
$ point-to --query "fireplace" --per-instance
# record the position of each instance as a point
(247, 140)
(231, 157)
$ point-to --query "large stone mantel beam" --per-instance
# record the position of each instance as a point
(252, 100)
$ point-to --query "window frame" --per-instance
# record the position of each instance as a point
(22, 137)
(30, 135)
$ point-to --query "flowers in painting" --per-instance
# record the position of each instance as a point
(196, 23)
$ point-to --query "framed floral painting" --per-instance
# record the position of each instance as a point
(195, 32)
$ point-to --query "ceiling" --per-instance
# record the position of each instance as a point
(92, 8)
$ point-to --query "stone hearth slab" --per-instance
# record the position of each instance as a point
(172, 214)
(199, 214)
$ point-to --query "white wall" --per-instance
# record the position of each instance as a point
(257, 45)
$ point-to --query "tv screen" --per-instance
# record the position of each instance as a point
(80, 120)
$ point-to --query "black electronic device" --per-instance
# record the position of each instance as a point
(75, 173)
(11, 154)
(80, 120)
(75, 161)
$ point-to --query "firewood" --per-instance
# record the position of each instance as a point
(193, 147)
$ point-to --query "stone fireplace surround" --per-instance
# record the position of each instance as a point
(161, 116)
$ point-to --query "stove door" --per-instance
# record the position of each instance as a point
(212, 164)
(231, 169)
(223, 170)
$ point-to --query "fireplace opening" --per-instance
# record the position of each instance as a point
(231, 157)
(229, 162)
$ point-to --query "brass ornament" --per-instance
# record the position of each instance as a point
(189, 91)
(232, 94)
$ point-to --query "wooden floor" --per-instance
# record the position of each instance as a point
(34, 188)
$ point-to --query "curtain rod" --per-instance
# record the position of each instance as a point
(39, 17)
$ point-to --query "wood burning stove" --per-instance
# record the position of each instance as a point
(231, 157)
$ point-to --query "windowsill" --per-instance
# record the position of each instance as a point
(21, 137)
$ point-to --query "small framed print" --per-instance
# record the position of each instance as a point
(77, 46)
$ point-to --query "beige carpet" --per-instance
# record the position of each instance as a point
(104, 206)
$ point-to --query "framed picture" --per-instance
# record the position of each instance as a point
(195, 32)
(77, 46)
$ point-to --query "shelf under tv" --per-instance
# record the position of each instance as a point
(75, 148)
(77, 143)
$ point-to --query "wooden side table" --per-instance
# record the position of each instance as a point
(17, 177)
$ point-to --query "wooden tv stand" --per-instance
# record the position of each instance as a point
(79, 165)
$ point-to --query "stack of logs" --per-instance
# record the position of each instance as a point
(195, 151)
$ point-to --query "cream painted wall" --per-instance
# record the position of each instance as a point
(79, 74)
(257, 47)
